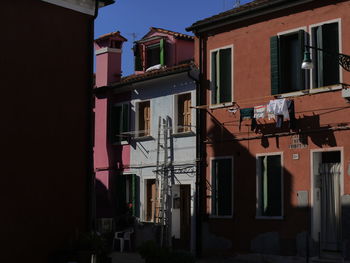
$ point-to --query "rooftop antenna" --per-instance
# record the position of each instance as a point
(237, 3)
(133, 35)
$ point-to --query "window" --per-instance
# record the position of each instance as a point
(183, 117)
(221, 76)
(152, 207)
(326, 67)
(119, 122)
(286, 58)
(155, 54)
(221, 186)
(269, 186)
(144, 118)
(132, 187)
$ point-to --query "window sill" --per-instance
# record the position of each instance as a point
(184, 134)
(269, 217)
(120, 143)
(144, 138)
(311, 91)
(221, 105)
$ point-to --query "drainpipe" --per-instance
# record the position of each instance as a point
(199, 157)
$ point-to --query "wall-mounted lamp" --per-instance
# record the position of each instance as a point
(343, 60)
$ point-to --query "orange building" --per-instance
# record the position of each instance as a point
(275, 153)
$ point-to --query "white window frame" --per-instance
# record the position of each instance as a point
(258, 176)
(229, 103)
(232, 185)
(311, 72)
(117, 104)
(137, 116)
(175, 110)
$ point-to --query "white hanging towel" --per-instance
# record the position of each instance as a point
(278, 107)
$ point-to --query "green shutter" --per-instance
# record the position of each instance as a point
(330, 42)
(320, 54)
(214, 78)
(125, 121)
(137, 58)
(225, 58)
(162, 52)
(224, 187)
(301, 72)
(275, 67)
(274, 191)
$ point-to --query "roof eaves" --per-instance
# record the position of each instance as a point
(232, 17)
(122, 83)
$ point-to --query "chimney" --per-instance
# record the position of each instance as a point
(108, 50)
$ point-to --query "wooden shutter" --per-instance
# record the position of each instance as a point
(214, 187)
(147, 119)
(330, 42)
(187, 112)
(275, 67)
(125, 120)
(162, 52)
(225, 86)
(137, 58)
(224, 191)
(116, 124)
(274, 188)
(301, 72)
(214, 78)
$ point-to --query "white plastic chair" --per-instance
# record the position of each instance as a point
(123, 236)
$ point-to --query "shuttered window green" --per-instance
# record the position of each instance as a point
(221, 76)
(119, 122)
(222, 189)
(274, 58)
(326, 37)
(269, 186)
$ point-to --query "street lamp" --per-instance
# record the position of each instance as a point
(343, 60)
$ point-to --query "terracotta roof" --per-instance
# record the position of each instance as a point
(241, 10)
(154, 74)
(169, 32)
(112, 34)
(165, 71)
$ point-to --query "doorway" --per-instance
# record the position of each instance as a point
(327, 178)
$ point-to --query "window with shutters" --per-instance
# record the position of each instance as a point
(143, 118)
(222, 186)
(155, 54)
(132, 193)
(152, 203)
(326, 68)
(183, 117)
(287, 52)
(221, 75)
(269, 186)
(119, 123)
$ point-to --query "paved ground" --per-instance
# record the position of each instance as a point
(126, 257)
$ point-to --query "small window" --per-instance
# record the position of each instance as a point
(183, 113)
(221, 76)
(155, 54)
(152, 205)
(286, 59)
(326, 67)
(221, 187)
(119, 122)
(144, 118)
(269, 192)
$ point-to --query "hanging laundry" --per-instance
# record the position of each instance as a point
(245, 114)
(278, 107)
(260, 111)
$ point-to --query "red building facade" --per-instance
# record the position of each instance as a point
(275, 149)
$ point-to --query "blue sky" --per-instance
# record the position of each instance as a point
(135, 17)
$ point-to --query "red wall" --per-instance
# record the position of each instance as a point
(251, 70)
